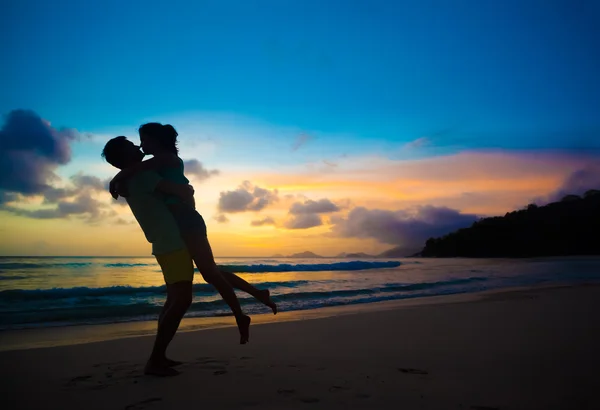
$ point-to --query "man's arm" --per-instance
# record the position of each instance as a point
(160, 161)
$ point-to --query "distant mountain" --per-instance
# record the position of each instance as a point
(355, 255)
(398, 252)
(278, 255)
(306, 254)
(568, 227)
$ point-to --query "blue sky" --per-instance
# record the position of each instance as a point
(434, 111)
(511, 74)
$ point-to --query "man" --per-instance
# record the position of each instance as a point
(160, 229)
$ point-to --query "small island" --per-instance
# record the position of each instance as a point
(565, 228)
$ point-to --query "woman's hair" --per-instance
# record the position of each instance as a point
(166, 135)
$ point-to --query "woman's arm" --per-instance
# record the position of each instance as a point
(166, 160)
(184, 191)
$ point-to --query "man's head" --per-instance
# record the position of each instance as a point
(122, 153)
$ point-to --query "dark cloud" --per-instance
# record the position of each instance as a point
(404, 227)
(265, 221)
(222, 219)
(195, 167)
(313, 207)
(80, 182)
(304, 221)
(7, 197)
(30, 151)
(577, 183)
(246, 198)
(83, 205)
(83, 181)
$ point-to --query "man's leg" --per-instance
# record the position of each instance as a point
(263, 296)
(168, 303)
(180, 296)
(165, 307)
(202, 255)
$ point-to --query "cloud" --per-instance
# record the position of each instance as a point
(30, 151)
(246, 198)
(418, 143)
(314, 207)
(83, 205)
(122, 221)
(300, 141)
(306, 214)
(577, 183)
(195, 168)
(265, 221)
(410, 227)
(221, 219)
(82, 181)
(304, 221)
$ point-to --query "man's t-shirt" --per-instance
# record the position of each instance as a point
(152, 214)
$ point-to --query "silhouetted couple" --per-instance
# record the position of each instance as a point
(162, 201)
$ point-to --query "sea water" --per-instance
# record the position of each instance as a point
(58, 291)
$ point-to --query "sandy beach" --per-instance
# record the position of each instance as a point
(517, 349)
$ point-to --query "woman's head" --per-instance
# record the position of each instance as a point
(156, 137)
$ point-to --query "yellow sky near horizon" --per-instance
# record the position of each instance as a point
(481, 183)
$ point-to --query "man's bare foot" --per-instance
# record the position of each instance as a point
(243, 323)
(158, 369)
(265, 298)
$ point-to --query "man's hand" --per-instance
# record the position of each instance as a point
(114, 184)
(122, 189)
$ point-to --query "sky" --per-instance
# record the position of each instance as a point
(329, 126)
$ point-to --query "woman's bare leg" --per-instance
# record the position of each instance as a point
(263, 296)
(202, 255)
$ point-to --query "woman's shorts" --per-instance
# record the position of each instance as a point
(188, 219)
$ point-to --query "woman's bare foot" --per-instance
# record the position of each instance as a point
(265, 298)
(159, 369)
(243, 323)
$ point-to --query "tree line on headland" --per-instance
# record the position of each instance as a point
(570, 226)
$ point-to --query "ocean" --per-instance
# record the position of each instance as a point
(59, 291)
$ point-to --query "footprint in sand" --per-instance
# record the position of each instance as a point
(484, 408)
(412, 371)
(143, 404)
(286, 392)
(337, 388)
(108, 374)
(309, 400)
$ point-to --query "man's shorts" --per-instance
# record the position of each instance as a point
(176, 266)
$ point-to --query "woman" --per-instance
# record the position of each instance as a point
(161, 142)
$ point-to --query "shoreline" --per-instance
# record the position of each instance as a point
(48, 337)
(510, 349)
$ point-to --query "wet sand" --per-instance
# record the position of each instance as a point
(517, 349)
